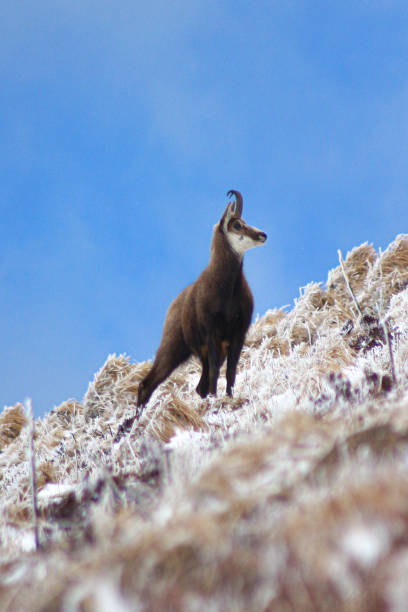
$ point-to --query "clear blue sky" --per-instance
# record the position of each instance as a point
(124, 123)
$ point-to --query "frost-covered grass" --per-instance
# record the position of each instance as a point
(292, 495)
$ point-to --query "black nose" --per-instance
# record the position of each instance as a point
(262, 236)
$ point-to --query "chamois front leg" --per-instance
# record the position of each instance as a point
(214, 363)
(234, 351)
(203, 385)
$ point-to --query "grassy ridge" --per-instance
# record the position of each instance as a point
(292, 495)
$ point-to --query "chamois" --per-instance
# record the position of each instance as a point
(211, 316)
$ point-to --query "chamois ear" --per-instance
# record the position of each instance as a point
(228, 214)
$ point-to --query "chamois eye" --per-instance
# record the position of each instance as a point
(236, 225)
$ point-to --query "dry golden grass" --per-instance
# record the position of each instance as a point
(176, 415)
(12, 420)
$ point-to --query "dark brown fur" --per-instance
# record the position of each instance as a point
(211, 316)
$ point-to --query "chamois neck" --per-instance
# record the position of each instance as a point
(224, 259)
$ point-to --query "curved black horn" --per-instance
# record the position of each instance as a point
(238, 201)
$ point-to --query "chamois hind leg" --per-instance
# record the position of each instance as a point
(169, 357)
(163, 366)
(172, 351)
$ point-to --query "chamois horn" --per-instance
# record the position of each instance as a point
(238, 201)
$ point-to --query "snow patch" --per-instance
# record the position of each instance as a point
(366, 544)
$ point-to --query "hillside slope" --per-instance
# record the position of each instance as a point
(293, 495)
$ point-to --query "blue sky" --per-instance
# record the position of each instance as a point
(123, 125)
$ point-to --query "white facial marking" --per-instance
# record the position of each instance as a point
(240, 243)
